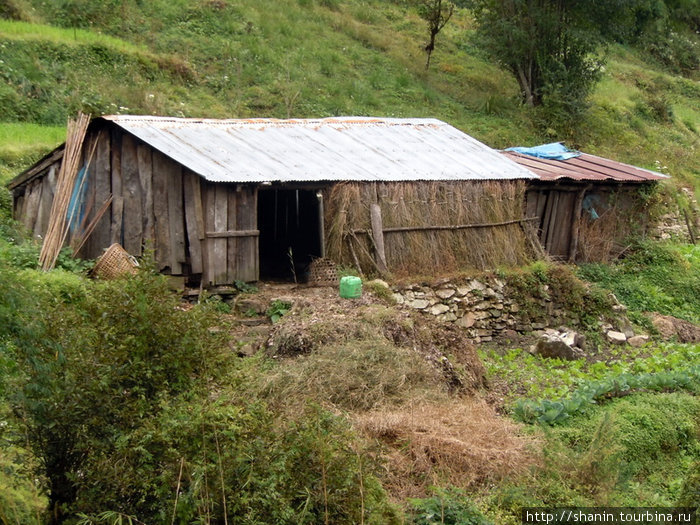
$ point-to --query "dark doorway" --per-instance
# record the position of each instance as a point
(289, 223)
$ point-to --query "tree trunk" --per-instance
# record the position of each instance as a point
(525, 87)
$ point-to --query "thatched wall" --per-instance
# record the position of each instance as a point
(458, 225)
(621, 216)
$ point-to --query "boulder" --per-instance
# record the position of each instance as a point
(552, 346)
(250, 305)
(638, 340)
(617, 338)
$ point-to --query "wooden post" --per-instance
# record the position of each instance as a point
(321, 224)
(576, 223)
(378, 237)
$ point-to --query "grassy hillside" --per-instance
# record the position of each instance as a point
(309, 58)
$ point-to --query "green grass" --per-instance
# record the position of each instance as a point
(536, 378)
(654, 277)
(311, 58)
(14, 30)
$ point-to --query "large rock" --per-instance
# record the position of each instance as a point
(247, 305)
(638, 340)
(617, 338)
(669, 327)
(553, 346)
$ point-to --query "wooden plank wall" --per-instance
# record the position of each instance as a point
(555, 210)
(33, 206)
(230, 252)
(156, 204)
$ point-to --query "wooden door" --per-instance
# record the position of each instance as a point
(231, 238)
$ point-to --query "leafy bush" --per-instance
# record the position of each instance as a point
(654, 276)
(124, 395)
(555, 412)
(449, 506)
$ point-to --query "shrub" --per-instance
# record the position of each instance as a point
(449, 507)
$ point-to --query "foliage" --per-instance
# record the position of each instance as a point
(540, 280)
(657, 277)
(122, 395)
(588, 394)
(549, 47)
(449, 506)
(92, 363)
(436, 13)
(277, 309)
(539, 378)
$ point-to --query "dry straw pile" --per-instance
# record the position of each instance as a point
(443, 225)
(462, 442)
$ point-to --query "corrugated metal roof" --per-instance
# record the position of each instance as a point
(585, 168)
(331, 149)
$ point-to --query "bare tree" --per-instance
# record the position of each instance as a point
(436, 13)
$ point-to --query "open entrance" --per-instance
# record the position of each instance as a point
(289, 221)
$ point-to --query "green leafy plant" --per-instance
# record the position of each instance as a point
(450, 506)
(555, 412)
(277, 309)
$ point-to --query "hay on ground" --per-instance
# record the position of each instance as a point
(461, 442)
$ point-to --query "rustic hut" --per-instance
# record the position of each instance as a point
(586, 206)
(226, 200)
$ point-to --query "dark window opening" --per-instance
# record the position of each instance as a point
(289, 224)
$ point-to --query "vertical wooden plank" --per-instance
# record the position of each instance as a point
(247, 219)
(48, 183)
(232, 248)
(209, 199)
(117, 198)
(576, 224)
(255, 245)
(100, 237)
(562, 239)
(191, 180)
(378, 236)
(161, 224)
(552, 223)
(32, 205)
(220, 225)
(19, 208)
(131, 190)
(176, 216)
(87, 205)
(145, 161)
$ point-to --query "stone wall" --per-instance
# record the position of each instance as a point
(486, 308)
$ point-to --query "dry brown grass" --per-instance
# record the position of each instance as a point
(420, 204)
(462, 442)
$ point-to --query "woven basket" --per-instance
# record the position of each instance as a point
(115, 262)
(323, 272)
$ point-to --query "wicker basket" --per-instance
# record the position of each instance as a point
(323, 272)
(115, 262)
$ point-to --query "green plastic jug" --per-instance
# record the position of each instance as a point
(350, 287)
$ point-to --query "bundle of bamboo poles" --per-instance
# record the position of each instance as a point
(58, 226)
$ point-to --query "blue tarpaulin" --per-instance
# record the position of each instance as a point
(76, 208)
(555, 151)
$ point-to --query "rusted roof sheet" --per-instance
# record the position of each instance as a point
(585, 168)
(331, 149)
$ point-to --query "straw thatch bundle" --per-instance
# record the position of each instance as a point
(436, 225)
